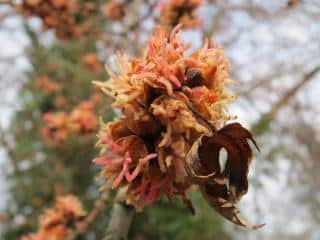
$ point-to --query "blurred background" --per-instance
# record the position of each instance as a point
(52, 50)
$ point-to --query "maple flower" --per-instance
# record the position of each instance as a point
(56, 130)
(82, 119)
(60, 15)
(55, 223)
(92, 62)
(61, 101)
(145, 149)
(115, 10)
(173, 12)
(173, 126)
(47, 86)
(70, 206)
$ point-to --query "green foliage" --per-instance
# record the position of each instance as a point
(263, 125)
(167, 220)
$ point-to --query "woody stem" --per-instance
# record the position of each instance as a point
(199, 115)
(120, 221)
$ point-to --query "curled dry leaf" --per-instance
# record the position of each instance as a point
(216, 195)
(223, 187)
(118, 129)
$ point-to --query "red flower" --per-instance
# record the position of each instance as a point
(56, 222)
(145, 150)
(173, 12)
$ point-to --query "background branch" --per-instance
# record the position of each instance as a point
(262, 125)
(99, 206)
(8, 2)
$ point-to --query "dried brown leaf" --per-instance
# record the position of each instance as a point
(141, 122)
(217, 195)
(118, 129)
(222, 187)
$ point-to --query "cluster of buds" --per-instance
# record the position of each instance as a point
(92, 62)
(96, 97)
(57, 223)
(160, 95)
(292, 3)
(183, 12)
(56, 130)
(82, 121)
(61, 15)
(61, 101)
(173, 128)
(46, 85)
(115, 10)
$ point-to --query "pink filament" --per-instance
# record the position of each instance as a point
(167, 84)
(126, 161)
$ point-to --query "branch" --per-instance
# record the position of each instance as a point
(277, 72)
(120, 220)
(5, 144)
(10, 151)
(215, 23)
(99, 206)
(139, 20)
(262, 125)
(7, 2)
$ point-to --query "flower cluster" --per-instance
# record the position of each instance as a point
(56, 130)
(115, 10)
(46, 86)
(92, 62)
(57, 222)
(82, 121)
(61, 15)
(174, 12)
(167, 98)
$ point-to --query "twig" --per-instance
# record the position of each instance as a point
(10, 151)
(5, 143)
(149, 12)
(120, 220)
(215, 23)
(263, 123)
(130, 27)
(197, 114)
(7, 2)
(99, 206)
